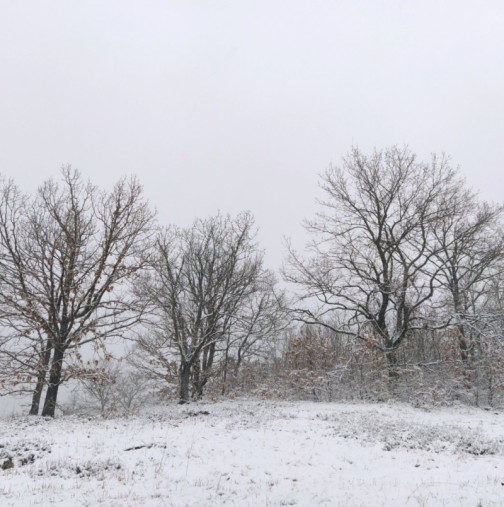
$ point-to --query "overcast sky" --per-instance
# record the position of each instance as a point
(240, 104)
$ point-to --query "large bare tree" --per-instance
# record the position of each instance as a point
(67, 255)
(371, 272)
(209, 289)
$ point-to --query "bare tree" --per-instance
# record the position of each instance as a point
(99, 381)
(132, 390)
(67, 256)
(470, 254)
(208, 286)
(250, 333)
(371, 268)
(155, 357)
(111, 385)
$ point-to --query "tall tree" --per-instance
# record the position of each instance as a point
(67, 256)
(371, 270)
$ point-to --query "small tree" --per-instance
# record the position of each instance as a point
(113, 386)
(132, 390)
(67, 256)
(99, 381)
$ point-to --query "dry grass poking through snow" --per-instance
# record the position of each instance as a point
(257, 453)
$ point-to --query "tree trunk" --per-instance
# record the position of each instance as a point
(393, 372)
(490, 385)
(465, 347)
(464, 340)
(185, 377)
(239, 359)
(54, 382)
(37, 393)
(196, 380)
(225, 370)
(202, 373)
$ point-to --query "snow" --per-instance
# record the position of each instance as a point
(255, 453)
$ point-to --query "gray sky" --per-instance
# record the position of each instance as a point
(240, 104)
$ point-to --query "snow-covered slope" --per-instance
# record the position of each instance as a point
(257, 453)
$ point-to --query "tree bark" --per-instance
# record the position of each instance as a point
(37, 395)
(54, 382)
(185, 377)
(196, 380)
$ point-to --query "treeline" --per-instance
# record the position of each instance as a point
(398, 294)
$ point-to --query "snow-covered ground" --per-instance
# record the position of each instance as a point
(257, 453)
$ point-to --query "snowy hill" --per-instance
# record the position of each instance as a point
(256, 453)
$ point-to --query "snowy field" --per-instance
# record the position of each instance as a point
(257, 453)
